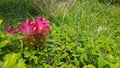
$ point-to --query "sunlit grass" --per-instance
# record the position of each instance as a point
(87, 35)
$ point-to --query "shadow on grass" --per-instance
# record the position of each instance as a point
(14, 11)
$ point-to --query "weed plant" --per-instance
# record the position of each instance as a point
(88, 36)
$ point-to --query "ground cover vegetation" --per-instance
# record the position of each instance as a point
(86, 36)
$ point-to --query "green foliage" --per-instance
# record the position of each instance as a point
(13, 61)
(3, 43)
(1, 21)
(13, 11)
(86, 37)
(111, 1)
(8, 58)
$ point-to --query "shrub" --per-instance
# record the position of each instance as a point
(35, 32)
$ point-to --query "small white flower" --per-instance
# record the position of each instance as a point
(100, 28)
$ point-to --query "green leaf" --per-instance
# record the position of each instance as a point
(117, 65)
(85, 66)
(21, 45)
(13, 37)
(10, 60)
(46, 65)
(2, 35)
(91, 66)
(3, 43)
(101, 62)
(21, 64)
(1, 64)
(29, 53)
(1, 52)
(34, 58)
(1, 21)
(112, 59)
(80, 50)
(83, 58)
(112, 65)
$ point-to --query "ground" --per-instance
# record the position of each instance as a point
(88, 36)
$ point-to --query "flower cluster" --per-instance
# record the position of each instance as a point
(35, 32)
(10, 30)
(38, 26)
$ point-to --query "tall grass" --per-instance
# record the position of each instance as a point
(86, 36)
(12, 11)
(53, 7)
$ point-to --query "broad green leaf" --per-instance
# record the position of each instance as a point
(71, 66)
(85, 66)
(35, 58)
(1, 21)
(1, 53)
(21, 64)
(1, 64)
(83, 58)
(13, 37)
(10, 60)
(3, 43)
(46, 65)
(101, 62)
(70, 46)
(117, 65)
(91, 66)
(2, 35)
(112, 59)
(29, 53)
(80, 50)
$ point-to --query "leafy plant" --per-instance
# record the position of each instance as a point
(35, 32)
(88, 36)
(13, 60)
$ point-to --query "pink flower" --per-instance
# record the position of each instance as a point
(35, 32)
(42, 25)
(10, 30)
(27, 28)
